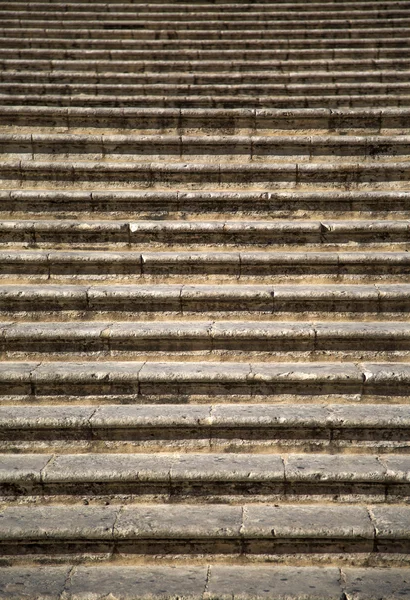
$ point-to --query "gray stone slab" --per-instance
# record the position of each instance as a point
(369, 415)
(149, 415)
(194, 372)
(55, 331)
(314, 521)
(263, 330)
(307, 372)
(179, 521)
(325, 292)
(322, 467)
(17, 372)
(109, 296)
(391, 522)
(72, 468)
(227, 467)
(377, 584)
(34, 583)
(86, 372)
(268, 415)
(158, 330)
(57, 522)
(145, 582)
(280, 583)
(18, 468)
(386, 373)
(50, 292)
(41, 417)
(397, 467)
(234, 297)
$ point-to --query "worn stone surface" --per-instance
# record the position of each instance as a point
(204, 300)
(307, 522)
(282, 583)
(40, 582)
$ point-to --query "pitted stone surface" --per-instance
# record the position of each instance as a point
(204, 300)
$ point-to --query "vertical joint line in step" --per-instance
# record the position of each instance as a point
(242, 531)
(67, 581)
(50, 460)
(181, 305)
(207, 580)
(32, 384)
(371, 518)
(380, 461)
(138, 379)
(285, 481)
(342, 582)
(379, 299)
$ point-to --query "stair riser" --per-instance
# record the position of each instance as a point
(350, 349)
(399, 24)
(252, 439)
(209, 150)
(216, 7)
(292, 552)
(344, 44)
(205, 177)
(44, 30)
(174, 70)
(207, 492)
(16, 50)
(224, 82)
(201, 240)
(346, 100)
(258, 205)
(203, 14)
(64, 308)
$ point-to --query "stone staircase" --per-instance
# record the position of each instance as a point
(205, 300)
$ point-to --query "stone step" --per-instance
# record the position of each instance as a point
(273, 301)
(271, 340)
(206, 81)
(202, 122)
(373, 31)
(239, 428)
(211, 148)
(385, 175)
(185, 85)
(237, 532)
(292, 24)
(220, 581)
(195, 204)
(321, 266)
(125, 382)
(383, 99)
(361, 266)
(151, 12)
(229, 233)
(179, 7)
(207, 478)
(280, 44)
(191, 54)
(216, 7)
(284, 3)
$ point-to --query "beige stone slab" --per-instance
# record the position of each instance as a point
(57, 522)
(281, 521)
(18, 468)
(332, 468)
(176, 522)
